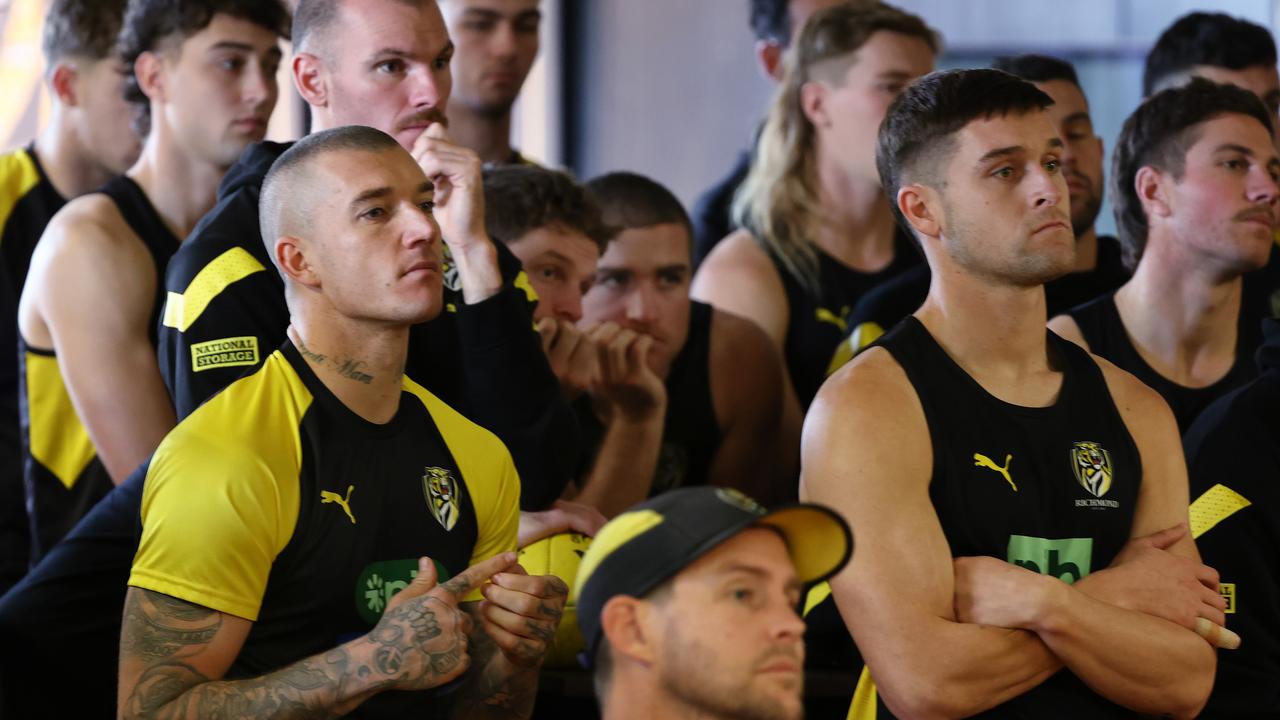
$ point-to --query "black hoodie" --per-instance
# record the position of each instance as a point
(226, 313)
(1233, 456)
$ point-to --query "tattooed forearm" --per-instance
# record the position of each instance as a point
(495, 687)
(171, 662)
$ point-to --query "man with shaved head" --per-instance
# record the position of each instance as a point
(345, 477)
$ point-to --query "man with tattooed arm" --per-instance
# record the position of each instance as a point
(281, 517)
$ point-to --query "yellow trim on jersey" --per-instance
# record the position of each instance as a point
(18, 175)
(863, 706)
(219, 480)
(522, 283)
(816, 595)
(487, 470)
(1216, 504)
(59, 441)
(181, 310)
(861, 337)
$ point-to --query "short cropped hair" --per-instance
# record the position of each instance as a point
(1158, 134)
(1200, 38)
(282, 204)
(1037, 68)
(313, 18)
(916, 137)
(519, 199)
(81, 29)
(629, 200)
(148, 24)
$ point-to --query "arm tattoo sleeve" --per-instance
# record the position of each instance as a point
(495, 688)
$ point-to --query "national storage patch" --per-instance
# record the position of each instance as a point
(227, 352)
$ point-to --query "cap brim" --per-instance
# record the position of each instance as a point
(819, 540)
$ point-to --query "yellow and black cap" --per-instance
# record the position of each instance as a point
(647, 545)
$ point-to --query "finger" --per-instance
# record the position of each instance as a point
(638, 356)
(422, 583)
(518, 648)
(519, 625)
(1217, 635)
(1166, 538)
(1207, 577)
(461, 585)
(437, 131)
(548, 329)
(520, 602)
(618, 348)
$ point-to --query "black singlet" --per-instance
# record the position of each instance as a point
(62, 473)
(690, 433)
(1102, 327)
(1051, 489)
(817, 324)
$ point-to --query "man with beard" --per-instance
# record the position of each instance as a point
(1027, 500)
(1195, 188)
(1098, 268)
(687, 605)
(495, 44)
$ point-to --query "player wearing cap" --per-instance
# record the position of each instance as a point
(687, 604)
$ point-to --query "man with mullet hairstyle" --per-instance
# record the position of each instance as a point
(1028, 500)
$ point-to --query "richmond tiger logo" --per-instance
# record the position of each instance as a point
(443, 499)
(1092, 466)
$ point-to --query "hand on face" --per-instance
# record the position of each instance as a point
(521, 612)
(573, 356)
(627, 385)
(421, 640)
(459, 189)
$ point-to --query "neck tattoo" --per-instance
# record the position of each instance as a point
(347, 367)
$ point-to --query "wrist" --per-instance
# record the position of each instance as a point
(1048, 605)
(476, 260)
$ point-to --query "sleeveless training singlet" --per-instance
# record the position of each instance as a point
(61, 470)
(1051, 489)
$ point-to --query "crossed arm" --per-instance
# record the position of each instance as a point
(954, 638)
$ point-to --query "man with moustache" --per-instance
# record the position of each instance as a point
(1098, 268)
(226, 308)
(1195, 188)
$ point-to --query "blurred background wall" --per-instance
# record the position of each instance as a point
(670, 88)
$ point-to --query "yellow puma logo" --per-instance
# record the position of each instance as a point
(333, 497)
(826, 316)
(980, 460)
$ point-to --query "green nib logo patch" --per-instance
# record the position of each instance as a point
(380, 581)
(1067, 559)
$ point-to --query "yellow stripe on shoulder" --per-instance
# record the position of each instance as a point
(474, 448)
(18, 175)
(1216, 504)
(182, 310)
(59, 441)
(863, 706)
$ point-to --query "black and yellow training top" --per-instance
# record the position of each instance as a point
(28, 201)
(64, 477)
(275, 502)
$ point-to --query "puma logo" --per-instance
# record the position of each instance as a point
(980, 460)
(826, 316)
(333, 497)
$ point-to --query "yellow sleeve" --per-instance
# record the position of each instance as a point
(489, 473)
(214, 518)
